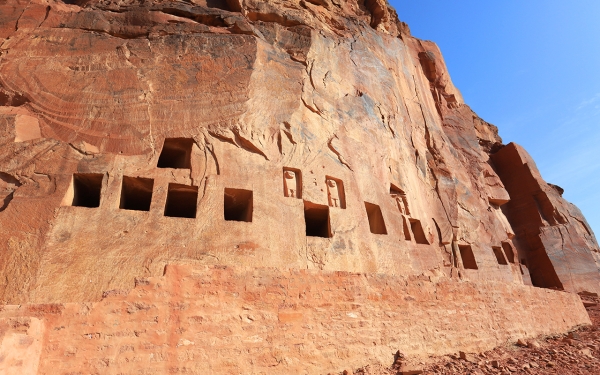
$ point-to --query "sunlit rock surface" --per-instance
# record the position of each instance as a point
(257, 135)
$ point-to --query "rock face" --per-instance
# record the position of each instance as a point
(555, 242)
(213, 320)
(286, 134)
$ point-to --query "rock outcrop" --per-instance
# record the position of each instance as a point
(555, 242)
(289, 134)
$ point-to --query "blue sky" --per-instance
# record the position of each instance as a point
(532, 68)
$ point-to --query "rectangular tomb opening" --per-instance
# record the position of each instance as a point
(417, 230)
(238, 205)
(176, 153)
(86, 189)
(136, 193)
(468, 258)
(181, 201)
(316, 218)
(376, 222)
(499, 255)
(508, 251)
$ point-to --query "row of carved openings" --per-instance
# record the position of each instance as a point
(504, 255)
(292, 187)
(176, 153)
(136, 194)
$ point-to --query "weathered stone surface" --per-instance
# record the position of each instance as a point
(555, 241)
(287, 134)
(314, 88)
(216, 320)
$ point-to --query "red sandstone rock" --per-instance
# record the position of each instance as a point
(287, 134)
(554, 356)
(110, 85)
(219, 320)
(554, 241)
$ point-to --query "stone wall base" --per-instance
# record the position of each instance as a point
(220, 320)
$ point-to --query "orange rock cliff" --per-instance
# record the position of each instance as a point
(240, 186)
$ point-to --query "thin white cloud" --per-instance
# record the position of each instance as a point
(588, 102)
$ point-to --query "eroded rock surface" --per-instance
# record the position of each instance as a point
(216, 320)
(289, 134)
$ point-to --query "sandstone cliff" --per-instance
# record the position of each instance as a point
(331, 197)
(289, 134)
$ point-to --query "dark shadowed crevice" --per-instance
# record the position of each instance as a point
(5, 202)
(10, 98)
(10, 184)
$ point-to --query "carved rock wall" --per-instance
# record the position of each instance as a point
(390, 166)
(221, 320)
(310, 145)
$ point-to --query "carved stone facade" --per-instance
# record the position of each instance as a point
(310, 136)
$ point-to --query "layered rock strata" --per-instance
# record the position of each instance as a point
(288, 134)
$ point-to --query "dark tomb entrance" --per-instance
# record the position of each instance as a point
(499, 255)
(316, 218)
(238, 205)
(468, 258)
(181, 201)
(136, 193)
(86, 189)
(417, 230)
(176, 153)
(376, 222)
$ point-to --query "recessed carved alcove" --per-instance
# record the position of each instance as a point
(417, 230)
(508, 250)
(499, 255)
(376, 222)
(136, 193)
(292, 183)
(176, 153)
(467, 256)
(238, 205)
(86, 190)
(316, 218)
(181, 201)
(401, 200)
(405, 228)
(336, 196)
